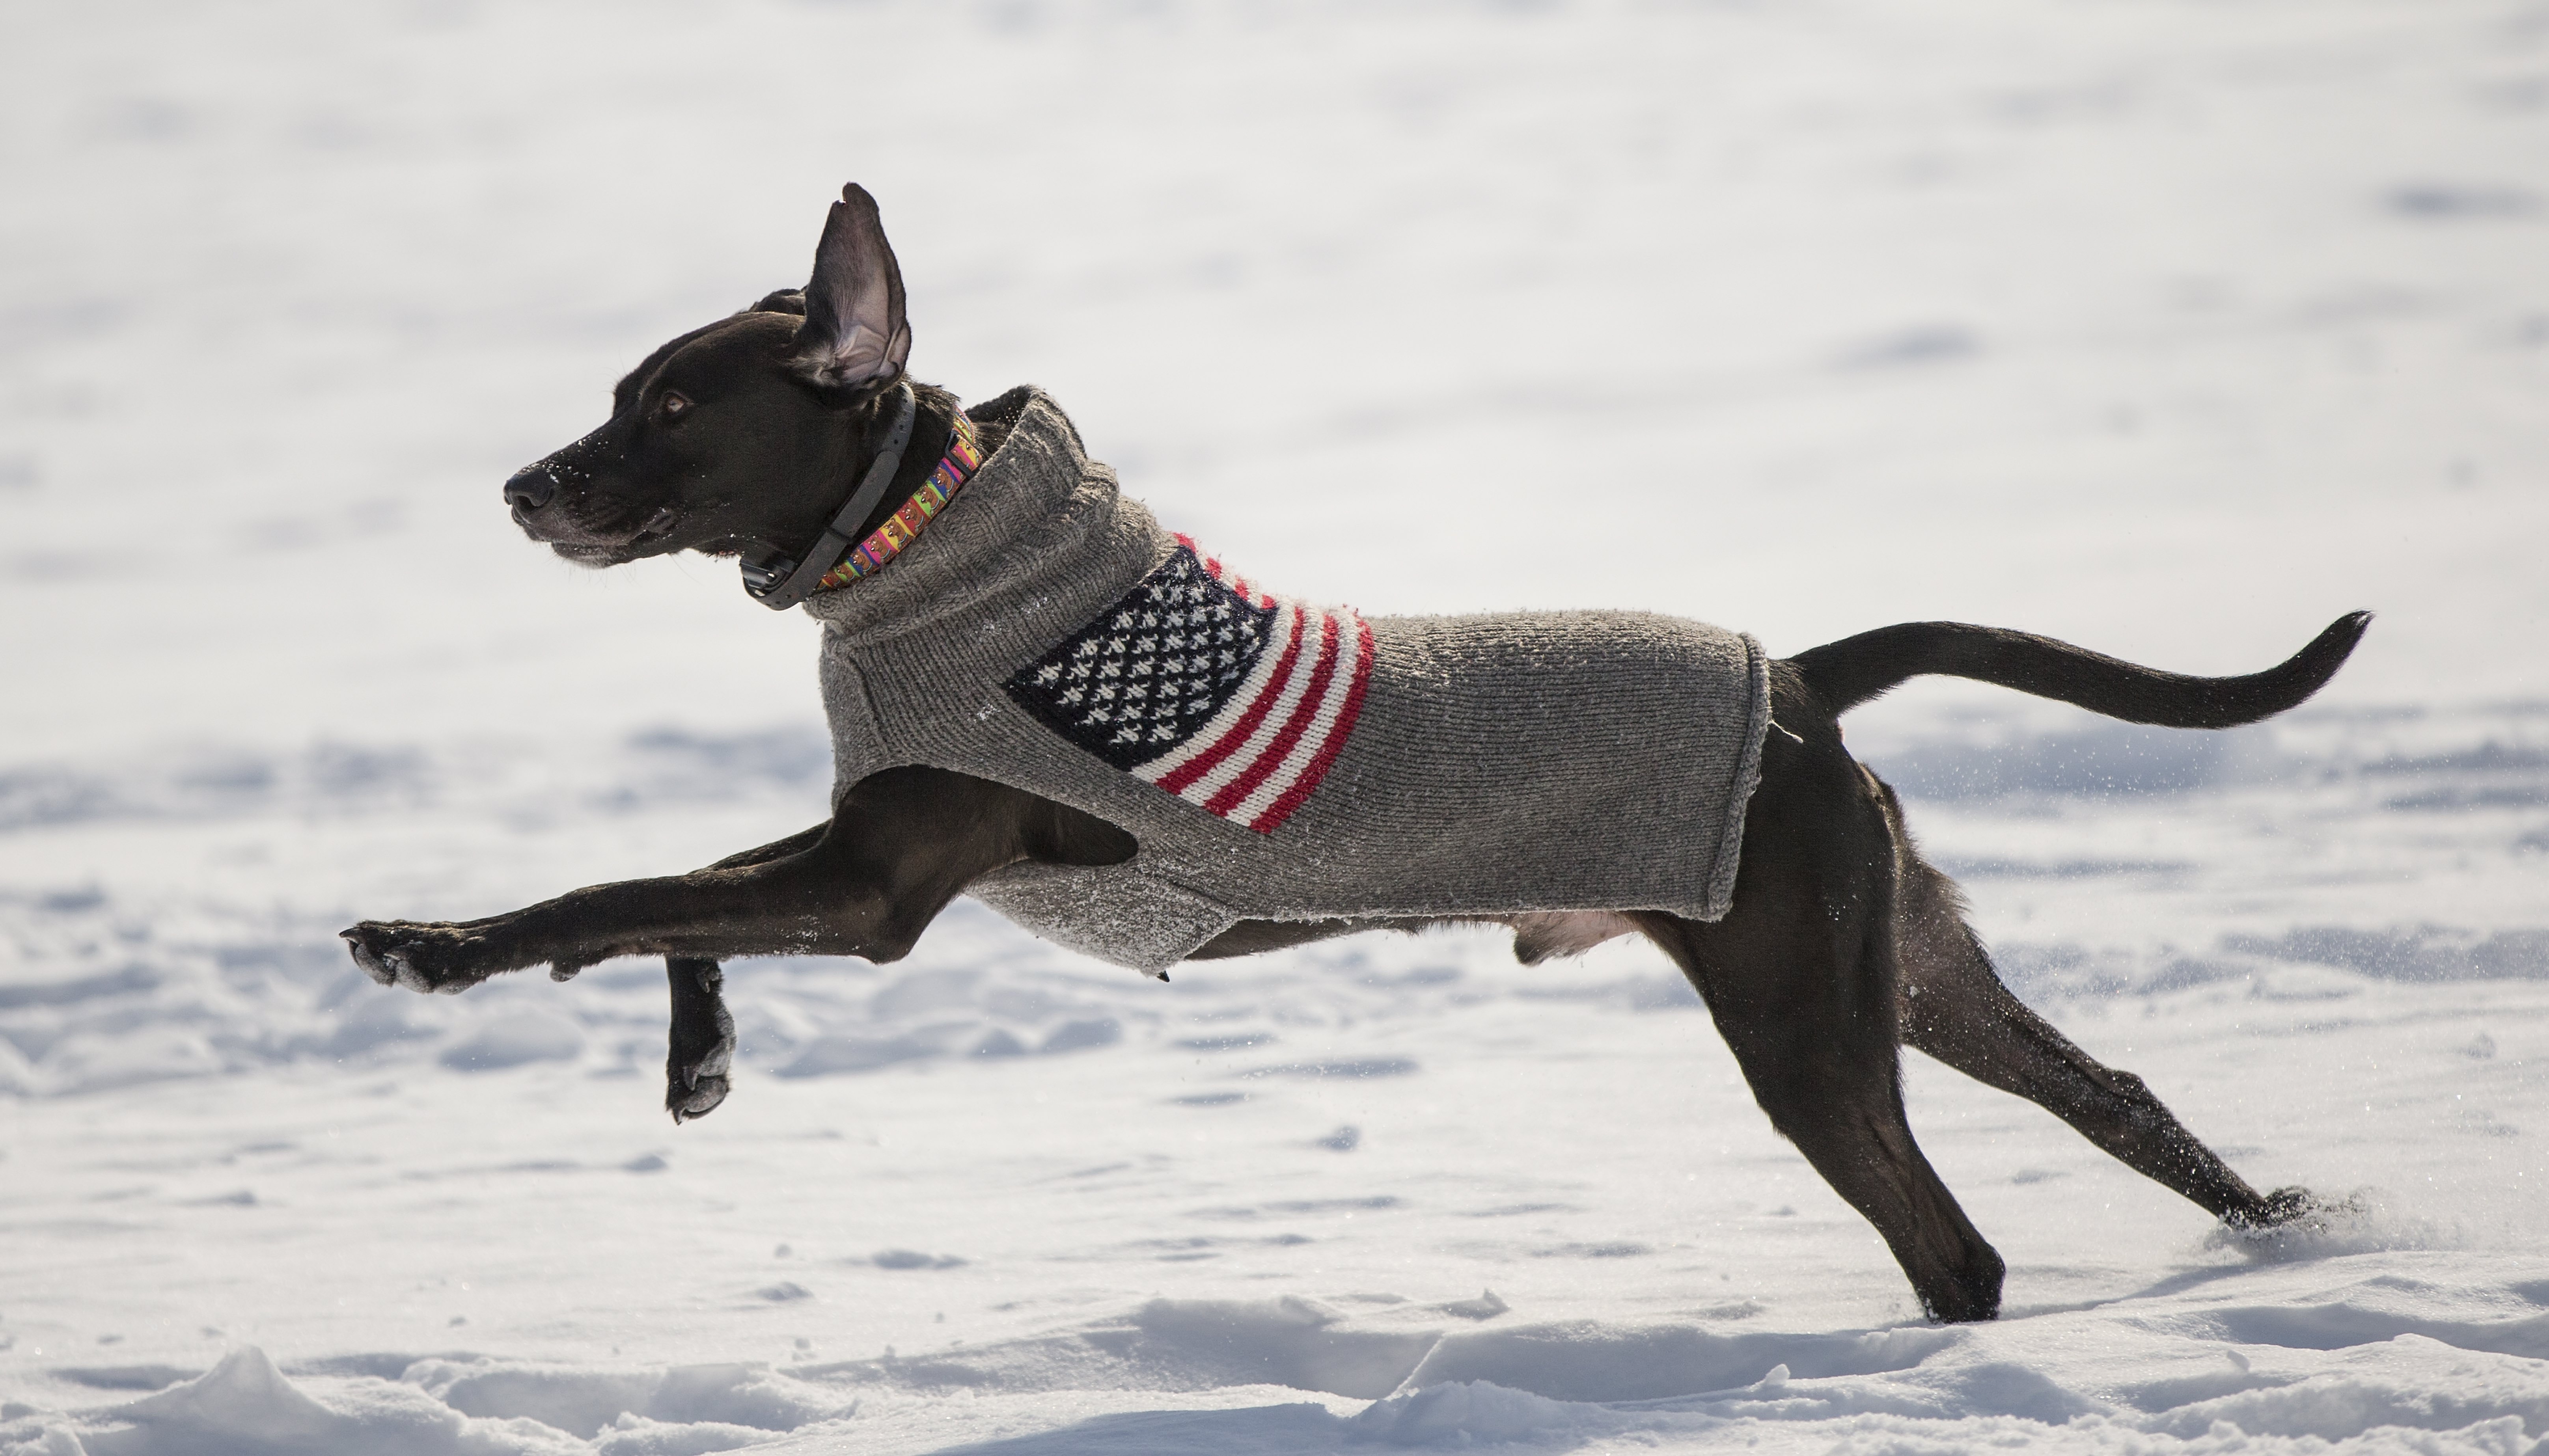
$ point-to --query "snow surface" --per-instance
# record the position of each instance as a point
(2174, 328)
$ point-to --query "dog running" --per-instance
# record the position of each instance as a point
(1041, 698)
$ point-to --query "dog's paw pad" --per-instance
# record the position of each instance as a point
(420, 958)
(404, 971)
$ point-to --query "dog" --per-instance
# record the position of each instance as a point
(1836, 944)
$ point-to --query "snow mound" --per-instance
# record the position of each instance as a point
(636, 1435)
(1462, 1413)
(2409, 1383)
(245, 1407)
(1583, 1361)
(589, 1401)
(1172, 1345)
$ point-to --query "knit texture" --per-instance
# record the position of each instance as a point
(1510, 763)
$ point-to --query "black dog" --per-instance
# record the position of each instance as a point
(1841, 945)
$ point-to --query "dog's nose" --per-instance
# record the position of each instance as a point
(530, 487)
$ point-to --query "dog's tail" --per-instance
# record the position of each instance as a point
(1857, 670)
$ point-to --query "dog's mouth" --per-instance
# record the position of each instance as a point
(590, 547)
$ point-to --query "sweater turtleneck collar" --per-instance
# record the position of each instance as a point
(1035, 496)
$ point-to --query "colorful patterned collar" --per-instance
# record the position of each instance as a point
(964, 457)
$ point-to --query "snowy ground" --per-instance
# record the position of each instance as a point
(2172, 328)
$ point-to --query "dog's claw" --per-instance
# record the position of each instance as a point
(371, 965)
(700, 1100)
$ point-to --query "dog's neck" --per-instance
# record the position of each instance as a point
(908, 488)
(963, 457)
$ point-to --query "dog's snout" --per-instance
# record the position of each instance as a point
(530, 487)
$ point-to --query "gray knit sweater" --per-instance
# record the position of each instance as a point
(1279, 760)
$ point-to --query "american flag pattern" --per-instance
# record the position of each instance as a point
(1233, 700)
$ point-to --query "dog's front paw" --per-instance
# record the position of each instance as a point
(700, 1047)
(421, 958)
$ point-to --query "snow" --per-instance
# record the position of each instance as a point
(2174, 329)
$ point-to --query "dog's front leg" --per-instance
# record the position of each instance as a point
(900, 846)
(812, 903)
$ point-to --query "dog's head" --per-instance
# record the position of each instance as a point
(742, 437)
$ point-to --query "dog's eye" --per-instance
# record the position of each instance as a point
(673, 405)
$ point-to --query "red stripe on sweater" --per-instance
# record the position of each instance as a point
(1291, 733)
(1177, 779)
(1293, 797)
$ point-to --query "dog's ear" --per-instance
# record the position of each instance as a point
(854, 333)
(785, 300)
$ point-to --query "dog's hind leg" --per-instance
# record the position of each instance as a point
(699, 1046)
(1831, 1087)
(1954, 1008)
(1799, 977)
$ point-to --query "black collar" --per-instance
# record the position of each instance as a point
(778, 583)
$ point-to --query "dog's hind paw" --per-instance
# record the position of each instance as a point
(420, 957)
(2287, 1206)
